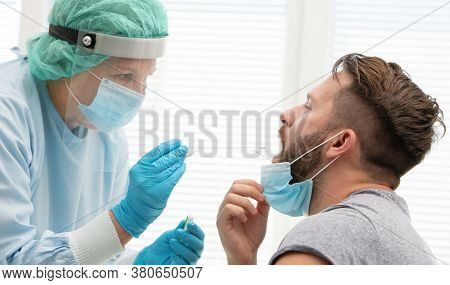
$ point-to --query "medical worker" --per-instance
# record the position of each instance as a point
(67, 195)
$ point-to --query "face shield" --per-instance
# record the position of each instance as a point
(105, 98)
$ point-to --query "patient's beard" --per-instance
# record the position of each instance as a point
(308, 165)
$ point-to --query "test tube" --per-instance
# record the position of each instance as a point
(189, 218)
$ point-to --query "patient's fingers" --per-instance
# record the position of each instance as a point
(240, 201)
(263, 209)
(246, 190)
(249, 182)
(230, 211)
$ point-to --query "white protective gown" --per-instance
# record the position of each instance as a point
(55, 189)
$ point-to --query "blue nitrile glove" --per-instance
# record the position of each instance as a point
(174, 247)
(152, 180)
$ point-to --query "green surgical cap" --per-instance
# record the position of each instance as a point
(52, 59)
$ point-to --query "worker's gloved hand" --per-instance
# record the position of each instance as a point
(174, 247)
(152, 180)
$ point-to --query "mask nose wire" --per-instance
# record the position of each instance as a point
(317, 146)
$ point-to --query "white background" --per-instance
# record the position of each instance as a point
(371, 275)
(248, 54)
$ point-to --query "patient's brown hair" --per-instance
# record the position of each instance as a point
(395, 121)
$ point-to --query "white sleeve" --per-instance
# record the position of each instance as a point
(95, 242)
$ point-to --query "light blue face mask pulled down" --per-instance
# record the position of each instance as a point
(292, 200)
(114, 105)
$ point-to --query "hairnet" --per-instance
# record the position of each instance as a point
(52, 59)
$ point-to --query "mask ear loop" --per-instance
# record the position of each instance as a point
(317, 146)
(95, 75)
(325, 167)
(70, 91)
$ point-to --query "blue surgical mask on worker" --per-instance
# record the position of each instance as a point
(113, 107)
(290, 199)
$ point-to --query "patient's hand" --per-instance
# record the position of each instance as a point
(242, 227)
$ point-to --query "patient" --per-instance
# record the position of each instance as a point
(377, 125)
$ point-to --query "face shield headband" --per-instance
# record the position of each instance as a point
(113, 46)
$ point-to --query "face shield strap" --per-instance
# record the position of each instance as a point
(115, 46)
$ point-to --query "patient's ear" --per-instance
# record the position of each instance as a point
(342, 144)
(300, 258)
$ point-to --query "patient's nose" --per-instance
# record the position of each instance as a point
(287, 118)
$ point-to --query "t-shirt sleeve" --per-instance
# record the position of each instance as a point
(340, 236)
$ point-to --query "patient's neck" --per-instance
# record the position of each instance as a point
(335, 186)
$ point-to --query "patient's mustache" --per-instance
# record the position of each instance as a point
(282, 135)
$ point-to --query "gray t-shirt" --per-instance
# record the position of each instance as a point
(369, 227)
